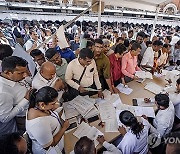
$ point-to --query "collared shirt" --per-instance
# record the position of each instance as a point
(61, 70)
(148, 58)
(68, 54)
(103, 66)
(162, 60)
(74, 71)
(131, 144)
(129, 65)
(115, 66)
(12, 104)
(39, 82)
(163, 121)
(143, 48)
(175, 99)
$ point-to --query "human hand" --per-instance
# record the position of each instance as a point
(145, 117)
(135, 78)
(66, 125)
(116, 91)
(81, 89)
(59, 85)
(122, 130)
(28, 93)
(100, 94)
(100, 139)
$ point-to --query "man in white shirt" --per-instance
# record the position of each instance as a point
(13, 95)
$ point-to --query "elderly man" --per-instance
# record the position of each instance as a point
(47, 77)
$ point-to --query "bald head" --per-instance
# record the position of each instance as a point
(48, 70)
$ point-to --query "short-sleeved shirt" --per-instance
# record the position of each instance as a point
(61, 70)
(148, 57)
(103, 66)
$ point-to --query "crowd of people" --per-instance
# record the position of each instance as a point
(34, 83)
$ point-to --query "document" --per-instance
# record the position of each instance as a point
(148, 111)
(126, 107)
(107, 111)
(111, 125)
(69, 110)
(143, 75)
(154, 88)
(141, 102)
(124, 89)
(93, 112)
(61, 38)
(117, 117)
(91, 89)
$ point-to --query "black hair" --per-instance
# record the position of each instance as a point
(130, 31)
(162, 100)
(141, 34)
(126, 43)
(5, 51)
(86, 35)
(165, 45)
(50, 53)
(119, 38)
(99, 41)
(128, 119)
(157, 43)
(84, 146)
(135, 46)
(102, 37)
(35, 52)
(10, 63)
(108, 36)
(46, 94)
(148, 43)
(120, 48)
(89, 44)
(8, 143)
(178, 81)
(169, 38)
(86, 52)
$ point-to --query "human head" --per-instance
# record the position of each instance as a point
(106, 44)
(98, 47)
(135, 49)
(115, 34)
(33, 35)
(119, 50)
(13, 143)
(38, 56)
(48, 70)
(156, 45)
(119, 40)
(124, 35)
(162, 101)
(48, 32)
(53, 56)
(146, 38)
(45, 98)
(140, 37)
(165, 48)
(178, 85)
(128, 119)
(5, 51)
(90, 44)
(84, 146)
(148, 43)
(76, 39)
(14, 68)
(130, 34)
(85, 56)
(167, 39)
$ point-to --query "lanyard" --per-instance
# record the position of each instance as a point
(53, 114)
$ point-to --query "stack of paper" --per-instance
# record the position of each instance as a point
(69, 110)
(124, 89)
(93, 112)
(148, 111)
(143, 75)
(85, 130)
(154, 88)
(111, 125)
(140, 102)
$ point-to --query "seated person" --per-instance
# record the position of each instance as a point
(38, 57)
(13, 143)
(44, 126)
(86, 146)
(61, 64)
(129, 62)
(47, 77)
(82, 73)
(175, 99)
(163, 122)
(135, 140)
(115, 65)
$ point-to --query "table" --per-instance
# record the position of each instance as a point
(138, 92)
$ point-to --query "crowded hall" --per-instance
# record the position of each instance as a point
(89, 77)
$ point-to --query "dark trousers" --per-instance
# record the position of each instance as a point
(103, 83)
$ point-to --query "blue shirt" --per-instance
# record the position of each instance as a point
(67, 53)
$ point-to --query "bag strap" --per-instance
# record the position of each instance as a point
(82, 74)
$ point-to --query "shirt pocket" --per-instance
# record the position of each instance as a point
(90, 73)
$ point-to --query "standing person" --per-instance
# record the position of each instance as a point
(74, 45)
(40, 115)
(129, 62)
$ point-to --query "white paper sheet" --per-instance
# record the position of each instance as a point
(126, 107)
(140, 102)
(123, 89)
(143, 75)
(148, 111)
(117, 117)
(154, 88)
(91, 89)
(61, 38)
(111, 125)
(69, 110)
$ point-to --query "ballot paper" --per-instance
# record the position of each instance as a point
(93, 112)
(111, 125)
(85, 130)
(140, 102)
(148, 111)
(69, 110)
(126, 107)
(124, 89)
(117, 117)
(143, 75)
(154, 88)
(62, 42)
(107, 111)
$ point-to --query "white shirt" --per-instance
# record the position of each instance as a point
(148, 57)
(163, 121)
(111, 149)
(175, 99)
(12, 104)
(41, 130)
(162, 60)
(131, 144)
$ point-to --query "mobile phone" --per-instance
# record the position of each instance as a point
(92, 119)
(72, 125)
(134, 102)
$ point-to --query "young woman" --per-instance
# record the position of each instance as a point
(135, 140)
(44, 126)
